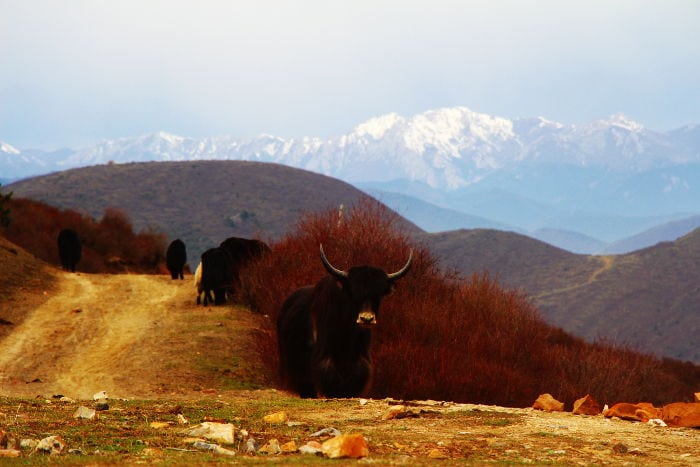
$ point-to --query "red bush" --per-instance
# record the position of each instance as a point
(441, 337)
(108, 245)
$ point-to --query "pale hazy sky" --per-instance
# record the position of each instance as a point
(74, 72)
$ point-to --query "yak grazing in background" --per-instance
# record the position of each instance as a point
(176, 258)
(324, 331)
(69, 249)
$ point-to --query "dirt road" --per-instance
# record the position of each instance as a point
(131, 335)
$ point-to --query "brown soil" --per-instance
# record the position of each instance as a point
(143, 337)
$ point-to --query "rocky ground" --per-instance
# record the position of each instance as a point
(143, 340)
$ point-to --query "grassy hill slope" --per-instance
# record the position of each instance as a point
(647, 299)
(200, 202)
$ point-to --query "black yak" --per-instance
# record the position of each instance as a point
(69, 249)
(175, 258)
(240, 251)
(214, 276)
(324, 331)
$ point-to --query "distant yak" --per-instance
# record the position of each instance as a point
(69, 249)
(175, 258)
(324, 331)
(214, 277)
(240, 251)
(220, 268)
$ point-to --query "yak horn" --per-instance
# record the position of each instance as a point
(329, 267)
(400, 273)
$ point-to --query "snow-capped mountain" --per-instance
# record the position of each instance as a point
(445, 148)
(607, 179)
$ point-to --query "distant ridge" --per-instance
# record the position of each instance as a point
(647, 299)
(202, 202)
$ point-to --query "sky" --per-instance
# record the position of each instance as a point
(76, 72)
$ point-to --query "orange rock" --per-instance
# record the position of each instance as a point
(548, 403)
(685, 414)
(289, 447)
(353, 446)
(586, 406)
(276, 418)
(642, 411)
(697, 397)
(650, 410)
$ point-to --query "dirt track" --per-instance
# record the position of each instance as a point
(131, 335)
(138, 336)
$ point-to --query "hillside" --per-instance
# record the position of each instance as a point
(25, 282)
(133, 337)
(647, 299)
(200, 202)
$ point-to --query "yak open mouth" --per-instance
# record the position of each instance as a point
(366, 319)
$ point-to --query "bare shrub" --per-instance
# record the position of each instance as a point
(108, 245)
(442, 337)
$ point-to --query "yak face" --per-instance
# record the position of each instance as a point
(364, 287)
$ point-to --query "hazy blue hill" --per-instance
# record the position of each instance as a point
(570, 241)
(433, 218)
(662, 233)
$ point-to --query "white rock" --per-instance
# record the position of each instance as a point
(221, 432)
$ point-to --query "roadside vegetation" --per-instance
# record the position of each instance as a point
(109, 245)
(445, 337)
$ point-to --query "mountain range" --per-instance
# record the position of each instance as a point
(582, 187)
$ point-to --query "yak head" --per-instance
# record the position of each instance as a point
(365, 286)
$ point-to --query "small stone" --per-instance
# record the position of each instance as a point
(85, 413)
(102, 405)
(620, 448)
(66, 399)
(220, 432)
(330, 431)
(393, 412)
(100, 395)
(181, 420)
(353, 446)
(437, 454)
(28, 443)
(586, 406)
(51, 445)
(213, 448)
(697, 397)
(289, 447)
(224, 451)
(251, 446)
(656, 422)
(548, 403)
(276, 418)
(159, 425)
(312, 447)
(272, 447)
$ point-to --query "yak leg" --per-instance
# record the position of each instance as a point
(347, 380)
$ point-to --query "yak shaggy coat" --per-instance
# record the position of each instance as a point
(324, 331)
